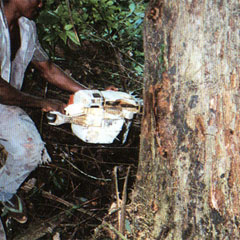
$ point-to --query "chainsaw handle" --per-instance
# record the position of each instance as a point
(51, 117)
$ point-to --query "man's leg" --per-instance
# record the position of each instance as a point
(25, 148)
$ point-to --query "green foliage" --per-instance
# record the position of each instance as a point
(116, 24)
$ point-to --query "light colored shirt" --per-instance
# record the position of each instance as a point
(30, 50)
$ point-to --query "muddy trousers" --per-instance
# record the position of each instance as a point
(24, 146)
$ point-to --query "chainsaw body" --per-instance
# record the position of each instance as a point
(98, 116)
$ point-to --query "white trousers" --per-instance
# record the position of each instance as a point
(19, 136)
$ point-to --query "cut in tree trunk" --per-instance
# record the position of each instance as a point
(188, 181)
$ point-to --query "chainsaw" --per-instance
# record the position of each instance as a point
(98, 116)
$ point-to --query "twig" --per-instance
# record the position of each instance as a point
(66, 203)
(71, 19)
(87, 175)
(117, 195)
(61, 129)
(121, 69)
(63, 170)
(93, 147)
(123, 205)
(114, 230)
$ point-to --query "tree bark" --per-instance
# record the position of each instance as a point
(189, 168)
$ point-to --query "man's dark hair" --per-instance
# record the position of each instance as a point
(6, 1)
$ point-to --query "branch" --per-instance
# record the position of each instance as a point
(71, 19)
(123, 205)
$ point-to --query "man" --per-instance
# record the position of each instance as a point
(18, 47)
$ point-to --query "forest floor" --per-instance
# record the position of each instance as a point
(73, 195)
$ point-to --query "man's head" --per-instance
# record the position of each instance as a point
(25, 8)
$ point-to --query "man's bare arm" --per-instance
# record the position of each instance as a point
(11, 96)
(55, 75)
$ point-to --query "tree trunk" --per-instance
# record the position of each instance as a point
(188, 181)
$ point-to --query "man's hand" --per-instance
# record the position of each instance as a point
(11, 96)
(48, 105)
